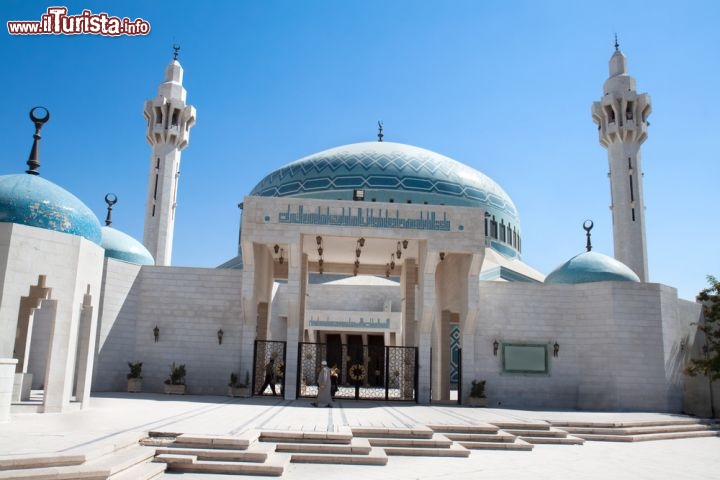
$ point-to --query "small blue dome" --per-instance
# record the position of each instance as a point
(122, 246)
(590, 267)
(31, 200)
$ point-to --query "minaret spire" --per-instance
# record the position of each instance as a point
(168, 132)
(621, 118)
(617, 45)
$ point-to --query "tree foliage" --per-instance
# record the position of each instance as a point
(709, 363)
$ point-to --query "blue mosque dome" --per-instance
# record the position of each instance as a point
(122, 246)
(395, 172)
(31, 200)
(590, 267)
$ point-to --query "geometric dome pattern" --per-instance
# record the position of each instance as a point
(31, 200)
(389, 172)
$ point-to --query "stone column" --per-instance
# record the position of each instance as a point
(408, 280)
(86, 345)
(7, 377)
(296, 287)
(427, 315)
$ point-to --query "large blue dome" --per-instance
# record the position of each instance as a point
(32, 200)
(590, 267)
(122, 246)
(394, 172)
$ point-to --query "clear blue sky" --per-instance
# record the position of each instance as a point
(504, 86)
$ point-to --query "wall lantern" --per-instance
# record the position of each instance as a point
(556, 349)
(362, 241)
(442, 256)
(405, 244)
(156, 333)
(392, 261)
(398, 252)
(496, 345)
(220, 334)
(276, 248)
(281, 259)
(318, 239)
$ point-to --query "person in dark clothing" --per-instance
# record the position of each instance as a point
(269, 378)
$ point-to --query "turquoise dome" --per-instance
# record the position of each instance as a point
(394, 172)
(590, 267)
(122, 246)
(31, 200)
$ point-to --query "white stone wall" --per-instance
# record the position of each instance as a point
(189, 306)
(117, 327)
(612, 338)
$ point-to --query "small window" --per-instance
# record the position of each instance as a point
(158, 115)
(359, 195)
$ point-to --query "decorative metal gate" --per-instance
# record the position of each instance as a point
(264, 352)
(364, 372)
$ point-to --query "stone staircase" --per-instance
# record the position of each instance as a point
(122, 459)
(213, 454)
(411, 442)
(641, 431)
(482, 437)
(539, 433)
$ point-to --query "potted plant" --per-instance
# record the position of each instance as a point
(175, 383)
(237, 389)
(477, 396)
(134, 378)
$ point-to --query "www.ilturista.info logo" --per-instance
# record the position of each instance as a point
(57, 22)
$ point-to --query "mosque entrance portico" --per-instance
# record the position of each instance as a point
(311, 245)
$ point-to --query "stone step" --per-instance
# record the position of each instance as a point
(142, 471)
(518, 444)
(306, 437)
(501, 436)
(224, 442)
(358, 446)
(646, 437)
(640, 430)
(376, 456)
(438, 441)
(39, 461)
(97, 469)
(538, 425)
(190, 464)
(462, 428)
(552, 432)
(455, 450)
(553, 440)
(649, 423)
(393, 432)
(214, 454)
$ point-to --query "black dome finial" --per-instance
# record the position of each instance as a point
(176, 48)
(34, 159)
(587, 226)
(380, 129)
(111, 199)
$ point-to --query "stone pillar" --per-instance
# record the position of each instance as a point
(296, 287)
(61, 357)
(427, 315)
(469, 319)
(408, 280)
(86, 345)
(442, 372)
(7, 377)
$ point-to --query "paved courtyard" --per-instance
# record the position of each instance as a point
(118, 415)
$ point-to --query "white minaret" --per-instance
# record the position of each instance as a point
(621, 116)
(168, 131)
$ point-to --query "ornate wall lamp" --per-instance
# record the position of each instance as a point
(442, 256)
(398, 252)
(220, 334)
(556, 349)
(405, 244)
(496, 345)
(156, 333)
(276, 248)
